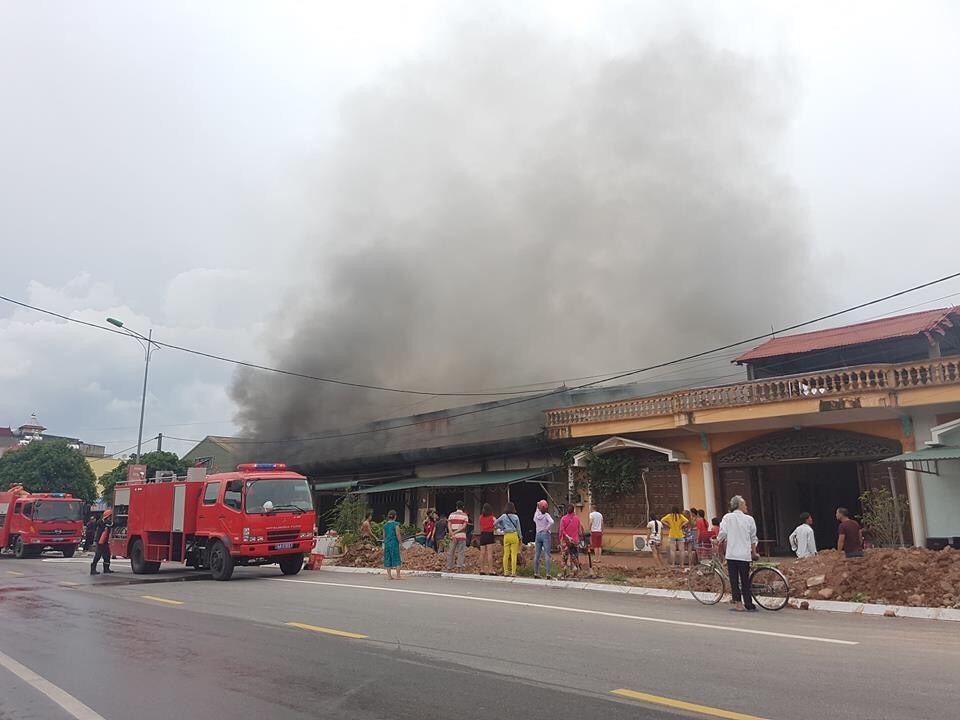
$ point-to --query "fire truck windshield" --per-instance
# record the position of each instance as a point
(49, 510)
(284, 495)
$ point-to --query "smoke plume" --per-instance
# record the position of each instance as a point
(512, 210)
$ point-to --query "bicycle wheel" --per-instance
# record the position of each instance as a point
(705, 583)
(769, 588)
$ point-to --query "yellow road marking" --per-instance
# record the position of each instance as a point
(13, 572)
(328, 631)
(68, 583)
(682, 705)
(161, 600)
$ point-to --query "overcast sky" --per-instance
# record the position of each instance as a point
(156, 164)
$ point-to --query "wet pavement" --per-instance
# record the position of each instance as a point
(128, 657)
(323, 644)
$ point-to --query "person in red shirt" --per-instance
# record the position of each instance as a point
(703, 535)
(714, 532)
(429, 528)
(487, 539)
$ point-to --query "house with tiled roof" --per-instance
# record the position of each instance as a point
(916, 336)
(821, 418)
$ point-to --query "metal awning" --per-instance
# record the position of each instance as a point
(926, 460)
(946, 452)
(343, 485)
(496, 477)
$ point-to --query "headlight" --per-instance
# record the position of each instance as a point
(306, 535)
(246, 534)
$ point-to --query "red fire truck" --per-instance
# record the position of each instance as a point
(33, 522)
(258, 515)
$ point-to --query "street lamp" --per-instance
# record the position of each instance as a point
(147, 351)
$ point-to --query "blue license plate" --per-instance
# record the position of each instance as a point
(285, 546)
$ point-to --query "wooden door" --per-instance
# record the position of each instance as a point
(735, 481)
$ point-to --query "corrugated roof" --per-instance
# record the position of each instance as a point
(946, 452)
(468, 480)
(320, 487)
(918, 323)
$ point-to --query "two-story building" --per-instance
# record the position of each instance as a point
(807, 431)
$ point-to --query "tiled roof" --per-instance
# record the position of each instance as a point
(930, 322)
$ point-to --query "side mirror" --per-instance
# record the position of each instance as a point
(235, 486)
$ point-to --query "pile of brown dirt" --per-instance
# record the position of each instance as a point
(417, 557)
(916, 576)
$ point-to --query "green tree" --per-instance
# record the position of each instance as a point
(157, 460)
(44, 466)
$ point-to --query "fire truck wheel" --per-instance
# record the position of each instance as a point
(21, 550)
(68, 552)
(137, 563)
(221, 564)
(292, 564)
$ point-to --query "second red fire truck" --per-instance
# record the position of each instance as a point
(33, 522)
(258, 515)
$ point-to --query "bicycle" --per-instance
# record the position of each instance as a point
(769, 587)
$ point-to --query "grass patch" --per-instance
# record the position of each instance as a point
(527, 570)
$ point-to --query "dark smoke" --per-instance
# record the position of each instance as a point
(511, 211)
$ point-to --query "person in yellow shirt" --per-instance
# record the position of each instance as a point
(675, 522)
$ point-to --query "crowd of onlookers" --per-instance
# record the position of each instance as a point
(689, 538)
(452, 533)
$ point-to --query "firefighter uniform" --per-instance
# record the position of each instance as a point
(102, 536)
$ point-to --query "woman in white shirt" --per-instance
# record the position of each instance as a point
(654, 538)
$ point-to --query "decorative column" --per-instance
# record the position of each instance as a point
(709, 491)
(915, 498)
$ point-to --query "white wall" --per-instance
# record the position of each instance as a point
(941, 493)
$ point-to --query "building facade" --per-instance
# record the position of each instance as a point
(810, 440)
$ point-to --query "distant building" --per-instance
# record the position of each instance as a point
(217, 453)
(33, 431)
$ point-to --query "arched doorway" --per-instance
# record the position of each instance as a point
(660, 484)
(815, 470)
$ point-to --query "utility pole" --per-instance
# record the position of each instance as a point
(159, 442)
(148, 347)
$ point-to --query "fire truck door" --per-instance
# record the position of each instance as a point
(208, 521)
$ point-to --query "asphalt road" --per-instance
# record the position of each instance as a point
(261, 646)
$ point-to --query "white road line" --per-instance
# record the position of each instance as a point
(61, 697)
(581, 611)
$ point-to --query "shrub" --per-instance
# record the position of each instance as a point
(884, 516)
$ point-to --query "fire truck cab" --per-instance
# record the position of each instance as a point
(33, 522)
(258, 515)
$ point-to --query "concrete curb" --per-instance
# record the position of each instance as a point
(836, 606)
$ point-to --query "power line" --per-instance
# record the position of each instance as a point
(681, 382)
(621, 375)
(267, 368)
(121, 452)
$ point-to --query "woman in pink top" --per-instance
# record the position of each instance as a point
(570, 538)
